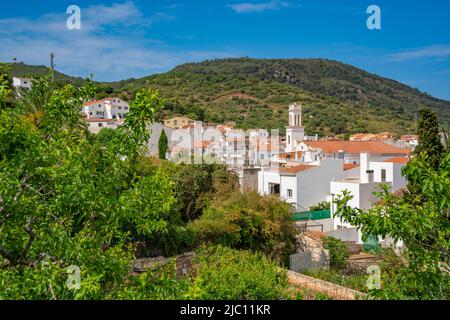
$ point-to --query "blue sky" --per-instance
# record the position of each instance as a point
(121, 39)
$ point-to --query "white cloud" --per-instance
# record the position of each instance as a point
(248, 7)
(112, 44)
(429, 52)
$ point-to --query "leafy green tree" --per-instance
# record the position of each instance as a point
(5, 85)
(163, 145)
(423, 227)
(69, 199)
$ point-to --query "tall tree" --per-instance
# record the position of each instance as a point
(430, 147)
(5, 85)
(163, 145)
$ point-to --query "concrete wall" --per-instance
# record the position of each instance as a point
(393, 173)
(313, 185)
(362, 193)
(266, 177)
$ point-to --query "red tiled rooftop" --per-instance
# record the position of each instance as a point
(349, 166)
(284, 155)
(296, 169)
(401, 160)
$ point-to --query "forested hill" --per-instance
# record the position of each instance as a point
(21, 69)
(336, 97)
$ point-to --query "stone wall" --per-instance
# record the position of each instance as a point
(183, 263)
(330, 289)
(310, 254)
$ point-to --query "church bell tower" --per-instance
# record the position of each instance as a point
(295, 132)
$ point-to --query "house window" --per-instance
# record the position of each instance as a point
(383, 175)
(120, 108)
(100, 124)
(289, 193)
(274, 188)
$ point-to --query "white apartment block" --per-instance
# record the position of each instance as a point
(108, 108)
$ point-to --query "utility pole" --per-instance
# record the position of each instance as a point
(52, 65)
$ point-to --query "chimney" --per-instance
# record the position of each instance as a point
(364, 167)
(370, 176)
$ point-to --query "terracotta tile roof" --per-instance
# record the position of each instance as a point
(99, 120)
(296, 169)
(355, 147)
(349, 166)
(401, 160)
(409, 137)
(202, 144)
(284, 155)
(90, 103)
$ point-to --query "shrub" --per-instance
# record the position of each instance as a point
(338, 251)
(248, 221)
(224, 274)
(324, 205)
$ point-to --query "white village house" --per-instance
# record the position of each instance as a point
(19, 82)
(108, 108)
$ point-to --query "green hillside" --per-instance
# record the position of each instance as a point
(24, 70)
(337, 98)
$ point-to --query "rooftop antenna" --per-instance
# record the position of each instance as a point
(52, 65)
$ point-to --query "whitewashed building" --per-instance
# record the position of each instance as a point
(303, 185)
(108, 108)
(362, 185)
(25, 83)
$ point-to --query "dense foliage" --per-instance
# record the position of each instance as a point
(67, 199)
(248, 221)
(223, 273)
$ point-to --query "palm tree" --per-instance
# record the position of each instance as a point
(33, 100)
